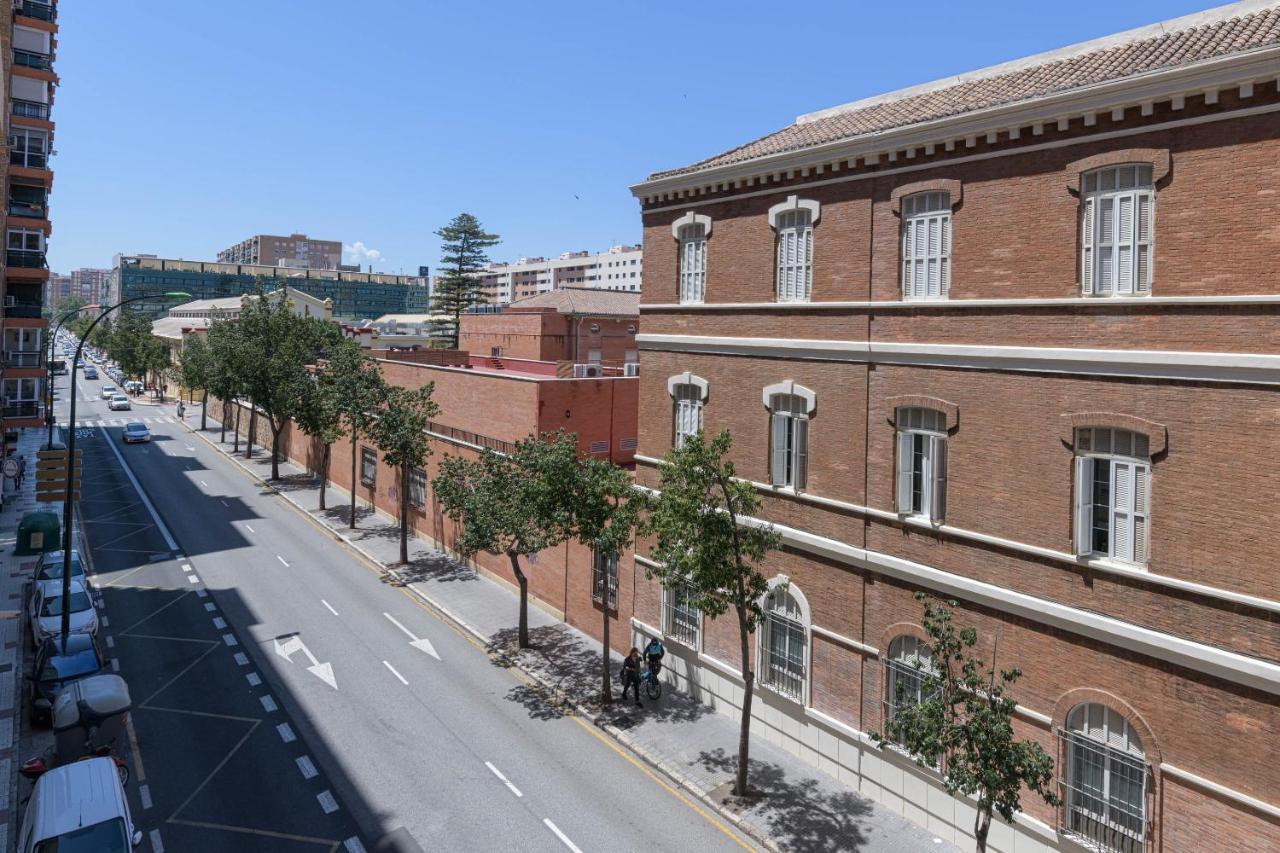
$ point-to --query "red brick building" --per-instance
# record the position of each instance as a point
(1011, 340)
(574, 324)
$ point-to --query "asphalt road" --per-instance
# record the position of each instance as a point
(403, 721)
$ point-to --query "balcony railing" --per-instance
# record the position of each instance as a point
(23, 409)
(34, 9)
(24, 358)
(34, 209)
(30, 109)
(30, 159)
(28, 258)
(24, 310)
(27, 59)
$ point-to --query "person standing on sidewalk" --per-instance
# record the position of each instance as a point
(22, 470)
(631, 675)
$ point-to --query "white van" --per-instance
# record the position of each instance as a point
(79, 808)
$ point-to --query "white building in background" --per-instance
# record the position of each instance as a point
(620, 268)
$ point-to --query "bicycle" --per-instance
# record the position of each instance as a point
(649, 678)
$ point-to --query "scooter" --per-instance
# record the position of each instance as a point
(34, 768)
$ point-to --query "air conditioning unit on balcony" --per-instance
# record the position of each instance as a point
(631, 368)
(587, 371)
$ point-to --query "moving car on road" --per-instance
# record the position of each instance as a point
(46, 610)
(49, 568)
(90, 372)
(119, 403)
(136, 431)
(79, 806)
(54, 670)
(108, 391)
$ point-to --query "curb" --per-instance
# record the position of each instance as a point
(558, 695)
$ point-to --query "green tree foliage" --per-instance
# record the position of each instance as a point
(320, 411)
(605, 508)
(964, 725)
(511, 504)
(358, 391)
(463, 252)
(66, 305)
(703, 548)
(225, 380)
(197, 365)
(400, 432)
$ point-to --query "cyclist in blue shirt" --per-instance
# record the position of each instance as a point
(654, 653)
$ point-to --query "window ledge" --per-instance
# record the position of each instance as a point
(776, 691)
(1100, 562)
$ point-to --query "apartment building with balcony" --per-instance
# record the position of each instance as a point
(297, 251)
(28, 40)
(1008, 338)
(620, 268)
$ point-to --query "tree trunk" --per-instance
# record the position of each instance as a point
(981, 826)
(524, 598)
(606, 686)
(324, 472)
(353, 478)
(226, 415)
(253, 424)
(235, 443)
(204, 410)
(744, 727)
(404, 514)
(275, 450)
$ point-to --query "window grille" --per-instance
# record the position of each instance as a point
(604, 577)
(783, 645)
(1105, 781)
(681, 619)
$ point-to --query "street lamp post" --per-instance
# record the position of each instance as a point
(71, 459)
(48, 415)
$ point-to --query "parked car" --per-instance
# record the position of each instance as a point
(90, 372)
(108, 391)
(53, 670)
(79, 806)
(49, 568)
(133, 386)
(119, 403)
(46, 610)
(136, 431)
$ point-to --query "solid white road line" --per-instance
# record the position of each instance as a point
(330, 805)
(564, 838)
(505, 780)
(146, 501)
(144, 794)
(330, 606)
(286, 733)
(396, 674)
(282, 560)
(305, 767)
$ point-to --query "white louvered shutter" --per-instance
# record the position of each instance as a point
(1125, 234)
(1142, 247)
(1084, 506)
(1105, 246)
(1086, 246)
(905, 440)
(938, 479)
(1141, 498)
(778, 462)
(1122, 493)
(799, 451)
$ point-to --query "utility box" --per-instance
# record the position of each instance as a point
(38, 532)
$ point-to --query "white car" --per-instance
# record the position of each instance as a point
(46, 610)
(108, 391)
(119, 403)
(79, 806)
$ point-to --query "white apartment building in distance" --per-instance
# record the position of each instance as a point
(619, 268)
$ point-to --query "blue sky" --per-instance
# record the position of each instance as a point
(185, 125)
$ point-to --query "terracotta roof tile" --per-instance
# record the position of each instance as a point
(1170, 49)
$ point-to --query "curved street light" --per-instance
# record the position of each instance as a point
(71, 459)
(53, 334)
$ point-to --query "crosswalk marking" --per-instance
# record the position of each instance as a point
(122, 422)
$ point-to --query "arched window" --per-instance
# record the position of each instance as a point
(1106, 780)
(790, 406)
(922, 463)
(926, 245)
(688, 393)
(693, 263)
(1112, 493)
(793, 220)
(1116, 209)
(784, 641)
(908, 662)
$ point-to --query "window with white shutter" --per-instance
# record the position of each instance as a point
(693, 263)
(1112, 494)
(921, 482)
(688, 412)
(1116, 209)
(926, 246)
(795, 255)
(788, 440)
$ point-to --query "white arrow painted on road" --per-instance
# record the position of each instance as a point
(422, 644)
(322, 671)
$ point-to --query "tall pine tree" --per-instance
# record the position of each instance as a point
(462, 254)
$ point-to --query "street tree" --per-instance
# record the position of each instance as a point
(605, 509)
(463, 253)
(67, 305)
(197, 365)
(320, 414)
(225, 375)
(706, 553)
(358, 390)
(963, 724)
(400, 432)
(511, 504)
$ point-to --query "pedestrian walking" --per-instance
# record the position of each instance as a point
(22, 475)
(631, 675)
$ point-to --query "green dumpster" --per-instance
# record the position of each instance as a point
(38, 532)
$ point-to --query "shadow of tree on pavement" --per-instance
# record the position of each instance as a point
(429, 565)
(802, 814)
(564, 660)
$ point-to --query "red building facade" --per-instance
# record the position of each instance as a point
(1009, 341)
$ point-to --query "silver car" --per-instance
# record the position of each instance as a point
(46, 610)
(49, 568)
(108, 391)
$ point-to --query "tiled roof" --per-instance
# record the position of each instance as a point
(585, 300)
(1022, 81)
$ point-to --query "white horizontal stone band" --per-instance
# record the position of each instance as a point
(928, 305)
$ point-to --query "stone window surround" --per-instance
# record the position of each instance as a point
(691, 218)
(687, 378)
(1157, 434)
(789, 386)
(950, 411)
(1158, 158)
(951, 186)
(795, 203)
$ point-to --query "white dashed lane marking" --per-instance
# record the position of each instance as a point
(307, 769)
(282, 560)
(286, 733)
(393, 672)
(330, 805)
(330, 606)
(496, 772)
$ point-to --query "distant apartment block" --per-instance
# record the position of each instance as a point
(297, 251)
(620, 268)
(57, 288)
(90, 284)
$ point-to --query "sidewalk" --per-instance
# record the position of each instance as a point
(803, 809)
